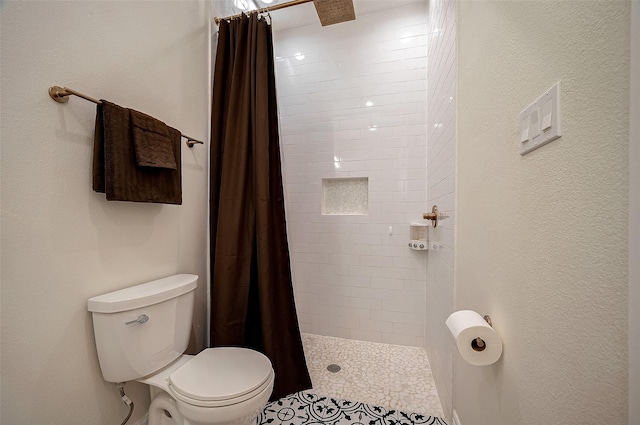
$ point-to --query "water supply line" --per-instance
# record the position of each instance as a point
(126, 400)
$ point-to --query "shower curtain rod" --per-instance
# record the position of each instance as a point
(264, 9)
(61, 95)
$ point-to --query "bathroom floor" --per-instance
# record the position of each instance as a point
(377, 384)
(309, 408)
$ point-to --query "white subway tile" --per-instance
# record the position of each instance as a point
(387, 283)
(397, 339)
(354, 249)
(416, 318)
(365, 335)
(416, 262)
(338, 332)
(388, 316)
(313, 319)
(324, 309)
(376, 261)
(408, 329)
(342, 259)
(367, 303)
(352, 281)
(376, 325)
(398, 273)
(415, 285)
(355, 313)
(351, 262)
(346, 322)
(387, 250)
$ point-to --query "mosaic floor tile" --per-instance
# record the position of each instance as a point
(308, 408)
(391, 376)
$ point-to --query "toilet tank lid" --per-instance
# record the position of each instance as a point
(142, 295)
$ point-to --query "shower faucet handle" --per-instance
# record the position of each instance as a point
(433, 216)
(143, 318)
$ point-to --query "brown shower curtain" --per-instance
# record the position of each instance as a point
(252, 301)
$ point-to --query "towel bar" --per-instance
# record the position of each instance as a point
(61, 95)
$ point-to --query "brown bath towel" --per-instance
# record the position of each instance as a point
(115, 169)
(152, 142)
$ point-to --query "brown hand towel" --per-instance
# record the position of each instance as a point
(115, 170)
(151, 139)
(98, 152)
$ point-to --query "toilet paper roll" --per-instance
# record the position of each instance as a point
(466, 326)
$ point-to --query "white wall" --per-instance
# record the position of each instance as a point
(634, 221)
(441, 149)
(352, 279)
(63, 243)
(530, 252)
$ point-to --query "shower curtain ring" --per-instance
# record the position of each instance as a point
(268, 14)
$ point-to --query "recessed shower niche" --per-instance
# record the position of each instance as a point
(345, 196)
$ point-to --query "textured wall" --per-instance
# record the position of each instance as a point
(63, 243)
(352, 279)
(529, 251)
(634, 221)
(441, 163)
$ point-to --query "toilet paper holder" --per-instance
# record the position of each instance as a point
(478, 344)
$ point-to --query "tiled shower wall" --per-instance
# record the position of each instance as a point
(441, 191)
(352, 102)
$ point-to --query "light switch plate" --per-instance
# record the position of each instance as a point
(543, 118)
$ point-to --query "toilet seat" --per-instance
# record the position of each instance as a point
(219, 377)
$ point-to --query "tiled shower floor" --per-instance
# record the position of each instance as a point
(391, 376)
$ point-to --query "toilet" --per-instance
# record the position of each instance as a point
(141, 334)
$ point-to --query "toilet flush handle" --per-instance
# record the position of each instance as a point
(143, 318)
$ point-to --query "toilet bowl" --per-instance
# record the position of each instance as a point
(141, 333)
(221, 386)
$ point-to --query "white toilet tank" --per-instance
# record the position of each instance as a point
(141, 329)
